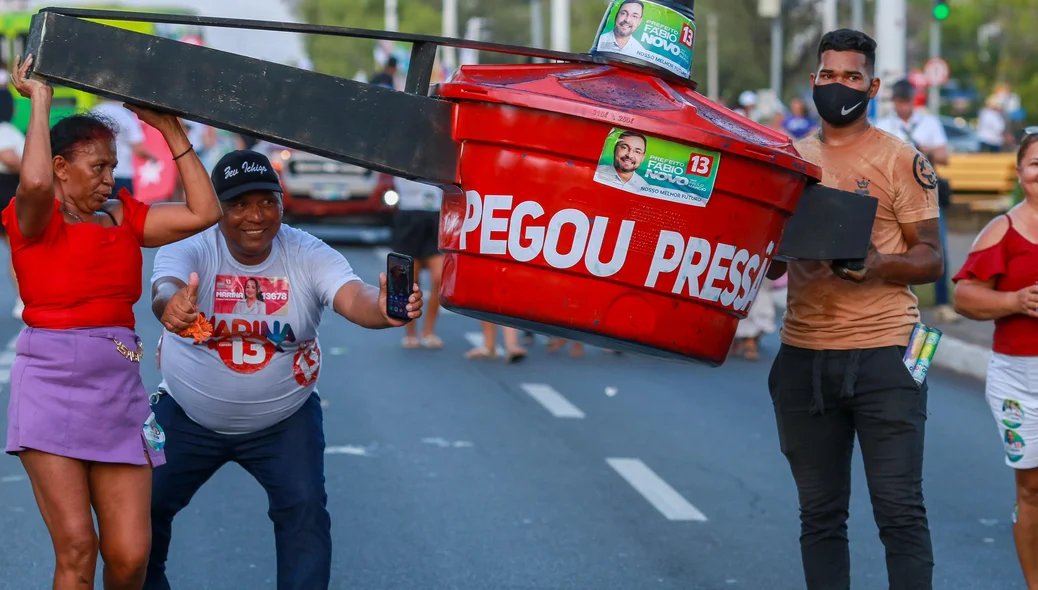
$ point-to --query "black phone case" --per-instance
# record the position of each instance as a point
(400, 311)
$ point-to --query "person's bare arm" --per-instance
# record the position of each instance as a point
(11, 160)
(34, 199)
(170, 222)
(979, 300)
(923, 262)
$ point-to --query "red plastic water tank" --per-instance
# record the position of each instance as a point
(606, 205)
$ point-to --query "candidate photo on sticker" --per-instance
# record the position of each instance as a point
(622, 171)
(626, 21)
(253, 303)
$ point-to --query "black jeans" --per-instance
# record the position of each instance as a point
(822, 399)
(288, 461)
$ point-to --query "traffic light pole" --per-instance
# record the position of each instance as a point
(933, 103)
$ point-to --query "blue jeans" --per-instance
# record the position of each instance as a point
(940, 292)
(287, 459)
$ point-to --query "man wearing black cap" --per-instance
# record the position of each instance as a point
(247, 393)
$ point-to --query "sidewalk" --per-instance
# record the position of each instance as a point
(966, 344)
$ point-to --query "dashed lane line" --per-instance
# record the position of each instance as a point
(652, 487)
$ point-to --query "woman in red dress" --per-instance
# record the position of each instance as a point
(78, 416)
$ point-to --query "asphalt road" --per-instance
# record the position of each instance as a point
(445, 473)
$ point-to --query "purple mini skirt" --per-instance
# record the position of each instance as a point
(78, 393)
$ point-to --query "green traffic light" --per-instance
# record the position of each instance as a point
(940, 11)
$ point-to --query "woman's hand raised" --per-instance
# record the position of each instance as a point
(25, 86)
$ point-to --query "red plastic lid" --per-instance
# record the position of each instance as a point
(627, 99)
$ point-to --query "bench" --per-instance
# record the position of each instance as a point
(981, 182)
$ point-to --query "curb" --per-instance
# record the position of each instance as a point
(953, 354)
(962, 357)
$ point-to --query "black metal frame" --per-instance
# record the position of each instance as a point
(406, 134)
(423, 50)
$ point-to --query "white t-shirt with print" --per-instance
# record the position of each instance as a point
(258, 368)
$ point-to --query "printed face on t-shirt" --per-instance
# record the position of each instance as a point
(250, 321)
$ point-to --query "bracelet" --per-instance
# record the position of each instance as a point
(184, 154)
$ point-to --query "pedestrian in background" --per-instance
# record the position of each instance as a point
(416, 233)
(999, 282)
(839, 374)
(12, 143)
(991, 125)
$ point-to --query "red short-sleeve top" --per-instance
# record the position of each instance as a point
(1013, 264)
(79, 275)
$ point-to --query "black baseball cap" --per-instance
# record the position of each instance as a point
(243, 171)
(903, 90)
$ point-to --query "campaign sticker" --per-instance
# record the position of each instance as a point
(306, 365)
(649, 32)
(1014, 446)
(656, 168)
(245, 295)
(154, 434)
(1012, 413)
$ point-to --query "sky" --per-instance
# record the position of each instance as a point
(271, 46)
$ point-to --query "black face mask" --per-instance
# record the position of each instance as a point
(840, 105)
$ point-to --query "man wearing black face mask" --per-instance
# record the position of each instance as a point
(839, 372)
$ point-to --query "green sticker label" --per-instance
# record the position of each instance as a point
(653, 167)
(650, 32)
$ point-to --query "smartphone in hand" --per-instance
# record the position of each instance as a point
(400, 285)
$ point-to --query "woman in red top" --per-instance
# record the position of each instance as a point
(79, 415)
(999, 282)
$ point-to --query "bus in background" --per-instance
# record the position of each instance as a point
(14, 29)
(154, 181)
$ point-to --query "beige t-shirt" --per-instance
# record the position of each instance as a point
(826, 312)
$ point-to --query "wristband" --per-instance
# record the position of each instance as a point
(184, 154)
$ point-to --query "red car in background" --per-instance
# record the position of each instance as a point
(321, 189)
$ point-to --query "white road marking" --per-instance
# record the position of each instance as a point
(443, 443)
(7, 357)
(347, 450)
(12, 478)
(553, 401)
(338, 350)
(663, 497)
(382, 253)
(476, 341)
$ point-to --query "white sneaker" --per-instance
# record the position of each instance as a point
(19, 307)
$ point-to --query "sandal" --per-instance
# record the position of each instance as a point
(750, 352)
(480, 353)
(431, 341)
(515, 356)
(554, 345)
(411, 342)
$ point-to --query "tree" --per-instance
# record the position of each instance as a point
(986, 43)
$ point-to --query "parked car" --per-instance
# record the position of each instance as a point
(319, 188)
(962, 139)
